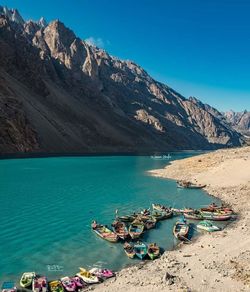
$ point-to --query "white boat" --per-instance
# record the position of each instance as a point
(161, 156)
(208, 226)
(87, 277)
(26, 279)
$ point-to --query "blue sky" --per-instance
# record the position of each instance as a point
(200, 48)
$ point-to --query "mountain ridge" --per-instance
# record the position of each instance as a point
(75, 97)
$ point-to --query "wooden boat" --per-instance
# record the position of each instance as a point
(141, 250)
(56, 286)
(150, 223)
(79, 282)
(129, 249)
(214, 208)
(102, 273)
(181, 211)
(40, 284)
(8, 287)
(136, 229)
(181, 230)
(208, 226)
(104, 232)
(189, 185)
(26, 279)
(161, 208)
(159, 215)
(120, 229)
(68, 284)
(126, 218)
(216, 217)
(87, 277)
(153, 251)
(193, 216)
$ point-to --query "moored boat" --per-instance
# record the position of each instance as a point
(213, 217)
(87, 277)
(79, 282)
(102, 273)
(120, 229)
(181, 211)
(56, 286)
(39, 284)
(159, 207)
(193, 216)
(150, 223)
(129, 249)
(8, 287)
(189, 185)
(104, 232)
(136, 229)
(161, 215)
(153, 251)
(26, 279)
(126, 218)
(207, 226)
(141, 249)
(181, 230)
(68, 284)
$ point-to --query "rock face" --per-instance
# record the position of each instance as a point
(239, 120)
(64, 95)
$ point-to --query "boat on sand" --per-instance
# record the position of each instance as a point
(68, 284)
(26, 279)
(207, 226)
(56, 286)
(102, 273)
(104, 232)
(153, 251)
(189, 185)
(87, 277)
(40, 284)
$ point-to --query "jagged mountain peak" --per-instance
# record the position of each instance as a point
(12, 14)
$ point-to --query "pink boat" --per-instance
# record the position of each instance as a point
(68, 284)
(79, 282)
(102, 273)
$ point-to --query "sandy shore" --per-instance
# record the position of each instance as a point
(214, 262)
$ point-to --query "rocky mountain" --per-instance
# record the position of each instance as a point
(60, 94)
(239, 121)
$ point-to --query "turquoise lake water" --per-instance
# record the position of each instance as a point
(47, 204)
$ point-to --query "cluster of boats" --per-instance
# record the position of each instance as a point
(69, 284)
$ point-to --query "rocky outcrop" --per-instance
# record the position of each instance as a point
(239, 121)
(75, 97)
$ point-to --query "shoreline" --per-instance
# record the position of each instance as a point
(217, 261)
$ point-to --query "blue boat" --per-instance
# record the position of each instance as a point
(141, 250)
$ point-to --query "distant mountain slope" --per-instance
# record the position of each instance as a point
(239, 120)
(60, 94)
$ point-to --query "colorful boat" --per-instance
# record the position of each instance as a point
(68, 284)
(161, 208)
(39, 284)
(104, 232)
(181, 230)
(153, 251)
(213, 217)
(193, 216)
(56, 286)
(136, 229)
(26, 279)
(102, 273)
(79, 282)
(129, 250)
(181, 211)
(8, 287)
(208, 226)
(120, 229)
(87, 277)
(160, 215)
(189, 185)
(141, 249)
(150, 223)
